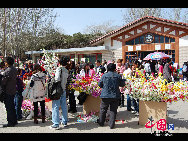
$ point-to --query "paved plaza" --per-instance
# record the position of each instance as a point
(177, 115)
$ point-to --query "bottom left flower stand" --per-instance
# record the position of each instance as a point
(92, 104)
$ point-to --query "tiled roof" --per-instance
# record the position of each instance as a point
(135, 22)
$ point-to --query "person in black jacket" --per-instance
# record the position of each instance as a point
(2, 66)
(9, 82)
(70, 93)
(1, 90)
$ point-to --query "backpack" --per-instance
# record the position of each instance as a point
(184, 68)
(54, 89)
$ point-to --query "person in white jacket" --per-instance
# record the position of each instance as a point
(38, 91)
(126, 74)
(60, 75)
(147, 69)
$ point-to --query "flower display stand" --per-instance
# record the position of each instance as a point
(158, 110)
(49, 105)
(92, 104)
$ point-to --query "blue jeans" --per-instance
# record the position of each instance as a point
(55, 110)
(128, 102)
(18, 104)
(136, 104)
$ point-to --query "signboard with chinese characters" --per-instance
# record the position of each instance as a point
(130, 48)
(167, 46)
(157, 47)
(138, 47)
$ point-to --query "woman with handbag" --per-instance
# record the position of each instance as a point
(38, 91)
(60, 75)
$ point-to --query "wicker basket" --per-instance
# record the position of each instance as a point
(92, 104)
(158, 110)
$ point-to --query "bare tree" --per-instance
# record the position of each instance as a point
(16, 22)
(177, 14)
(131, 14)
(100, 29)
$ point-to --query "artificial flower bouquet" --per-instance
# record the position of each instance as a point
(49, 62)
(28, 110)
(89, 85)
(83, 118)
(156, 89)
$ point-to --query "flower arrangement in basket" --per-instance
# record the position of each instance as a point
(49, 63)
(156, 89)
(28, 108)
(89, 85)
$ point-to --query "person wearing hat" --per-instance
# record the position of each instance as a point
(110, 94)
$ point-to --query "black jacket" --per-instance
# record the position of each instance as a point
(9, 80)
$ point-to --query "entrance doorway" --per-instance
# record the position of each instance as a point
(135, 55)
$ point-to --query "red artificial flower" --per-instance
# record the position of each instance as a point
(182, 96)
(175, 98)
(42, 68)
(47, 100)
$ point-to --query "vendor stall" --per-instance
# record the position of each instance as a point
(89, 85)
(153, 95)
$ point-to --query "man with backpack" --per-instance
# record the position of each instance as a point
(60, 75)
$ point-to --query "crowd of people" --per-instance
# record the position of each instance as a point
(112, 80)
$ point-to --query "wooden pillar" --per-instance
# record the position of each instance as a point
(177, 50)
(123, 50)
(123, 54)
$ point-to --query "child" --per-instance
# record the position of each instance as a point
(18, 99)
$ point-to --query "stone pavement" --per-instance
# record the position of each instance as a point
(177, 115)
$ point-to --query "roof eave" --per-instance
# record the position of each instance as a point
(136, 23)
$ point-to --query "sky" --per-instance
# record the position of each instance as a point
(74, 20)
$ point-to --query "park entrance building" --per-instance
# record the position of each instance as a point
(133, 41)
(148, 34)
